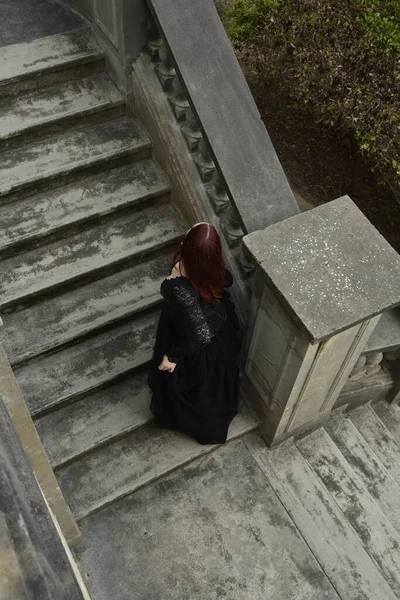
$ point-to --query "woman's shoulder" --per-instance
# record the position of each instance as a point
(174, 279)
(174, 287)
(176, 272)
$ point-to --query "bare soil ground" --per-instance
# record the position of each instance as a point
(317, 159)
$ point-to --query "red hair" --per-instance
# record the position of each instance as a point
(203, 262)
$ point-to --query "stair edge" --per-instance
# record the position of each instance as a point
(148, 481)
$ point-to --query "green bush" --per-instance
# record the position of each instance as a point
(342, 57)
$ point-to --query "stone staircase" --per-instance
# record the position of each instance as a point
(87, 232)
(341, 487)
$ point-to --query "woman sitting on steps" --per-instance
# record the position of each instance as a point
(194, 376)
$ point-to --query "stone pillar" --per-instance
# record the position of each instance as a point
(326, 276)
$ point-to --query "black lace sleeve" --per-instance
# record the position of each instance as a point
(189, 320)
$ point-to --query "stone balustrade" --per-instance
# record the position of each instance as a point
(199, 147)
(219, 121)
(326, 277)
(376, 375)
(367, 365)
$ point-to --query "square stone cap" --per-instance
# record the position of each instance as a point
(329, 266)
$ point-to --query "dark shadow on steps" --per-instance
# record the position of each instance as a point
(27, 20)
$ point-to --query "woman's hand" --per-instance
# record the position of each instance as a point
(166, 365)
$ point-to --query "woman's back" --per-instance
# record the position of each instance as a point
(193, 317)
(195, 389)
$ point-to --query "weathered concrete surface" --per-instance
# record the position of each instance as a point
(322, 524)
(73, 151)
(79, 312)
(96, 419)
(379, 537)
(213, 530)
(110, 243)
(52, 53)
(227, 112)
(386, 336)
(25, 222)
(380, 440)
(33, 562)
(220, 530)
(134, 461)
(330, 266)
(25, 429)
(369, 389)
(42, 107)
(389, 414)
(24, 20)
(298, 381)
(85, 366)
(366, 466)
(83, 6)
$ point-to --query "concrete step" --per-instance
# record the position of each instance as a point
(379, 537)
(379, 439)
(70, 153)
(36, 220)
(366, 465)
(31, 62)
(67, 375)
(61, 320)
(86, 424)
(87, 254)
(325, 529)
(36, 111)
(132, 462)
(389, 414)
(214, 529)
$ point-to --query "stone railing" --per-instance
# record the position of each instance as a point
(327, 276)
(200, 149)
(243, 186)
(386, 337)
(36, 563)
(189, 83)
(376, 374)
(24, 427)
(375, 377)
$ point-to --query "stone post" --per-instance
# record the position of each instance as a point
(326, 277)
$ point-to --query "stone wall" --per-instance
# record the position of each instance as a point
(34, 564)
(120, 27)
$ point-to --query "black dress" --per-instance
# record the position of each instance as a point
(200, 397)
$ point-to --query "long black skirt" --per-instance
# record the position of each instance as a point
(200, 397)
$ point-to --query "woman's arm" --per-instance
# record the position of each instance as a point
(189, 319)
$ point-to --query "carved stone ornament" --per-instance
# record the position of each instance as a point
(204, 161)
(360, 368)
(153, 46)
(246, 264)
(178, 100)
(217, 194)
(374, 363)
(191, 131)
(232, 228)
(165, 69)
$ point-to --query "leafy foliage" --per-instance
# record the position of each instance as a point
(342, 57)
